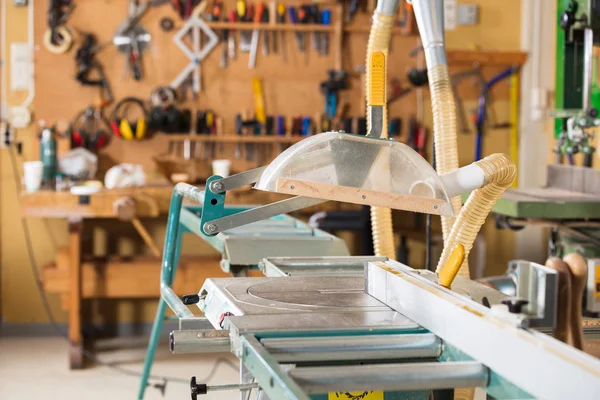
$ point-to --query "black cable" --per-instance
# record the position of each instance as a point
(87, 354)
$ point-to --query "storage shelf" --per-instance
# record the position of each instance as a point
(244, 26)
(367, 29)
(233, 138)
(486, 57)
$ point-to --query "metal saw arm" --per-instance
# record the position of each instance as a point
(214, 217)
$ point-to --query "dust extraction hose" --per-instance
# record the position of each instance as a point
(499, 172)
(379, 40)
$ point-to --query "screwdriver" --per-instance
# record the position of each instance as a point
(215, 15)
(273, 34)
(265, 20)
(303, 19)
(313, 15)
(260, 8)
(242, 13)
(326, 21)
(238, 131)
(294, 20)
(231, 41)
(281, 20)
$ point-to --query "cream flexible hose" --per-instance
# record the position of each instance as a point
(379, 40)
(499, 173)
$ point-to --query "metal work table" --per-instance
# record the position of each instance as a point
(570, 193)
(569, 205)
(242, 248)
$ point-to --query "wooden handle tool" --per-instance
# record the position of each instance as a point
(561, 332)
(578, 269)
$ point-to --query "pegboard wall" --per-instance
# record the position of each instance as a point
(290, 88)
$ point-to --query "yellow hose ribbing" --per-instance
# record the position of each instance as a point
(381, 218)
(444, 131)
(499, 172)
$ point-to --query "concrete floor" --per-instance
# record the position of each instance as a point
(38, 368)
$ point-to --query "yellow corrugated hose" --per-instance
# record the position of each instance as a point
(381, 218)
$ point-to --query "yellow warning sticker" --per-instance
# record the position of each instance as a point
(355, 396)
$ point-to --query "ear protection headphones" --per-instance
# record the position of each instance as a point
(125, 128)
(89, 129)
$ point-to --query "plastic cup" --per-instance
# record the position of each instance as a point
(221, 167)
(32, 175)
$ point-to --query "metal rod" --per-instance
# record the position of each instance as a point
(237, 180)
(391, 377)
(335, 348)
(199, 341)
(588, 65)
(260, 213)
(170, 252)
(234, 386)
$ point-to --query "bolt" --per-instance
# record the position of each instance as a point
(292, 187)
(364, 197)
(435, 207)
(216, 187)
(210, 228)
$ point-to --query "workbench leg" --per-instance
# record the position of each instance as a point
(75, 334)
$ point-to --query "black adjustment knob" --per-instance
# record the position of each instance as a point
(190, 299)
(197, 389)
(515, 305)
(567, 20)
(593, 112)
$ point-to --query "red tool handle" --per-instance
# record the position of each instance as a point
(260, 9)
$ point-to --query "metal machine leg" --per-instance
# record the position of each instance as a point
(172, 255)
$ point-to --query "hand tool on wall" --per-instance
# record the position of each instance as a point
(260, 8)
(224, 47)
(293, 16)
(242, 13)
(406, 21)
(352, 9)
(336, 82)
(482, 106)
(273, 20)
(457, 78)
(281, 20)
(231, 40)
(579, 271)
(397, 91)
(57, 38)
(325, 21)
(215, 16)
(239, 132)
(195, 26)
(313, 16)
(303, 19)
(88, 65)
(131, 38)
(264, 19)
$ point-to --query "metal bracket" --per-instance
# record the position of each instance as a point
(213, 219)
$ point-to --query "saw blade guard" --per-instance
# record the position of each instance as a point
(377, 167)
